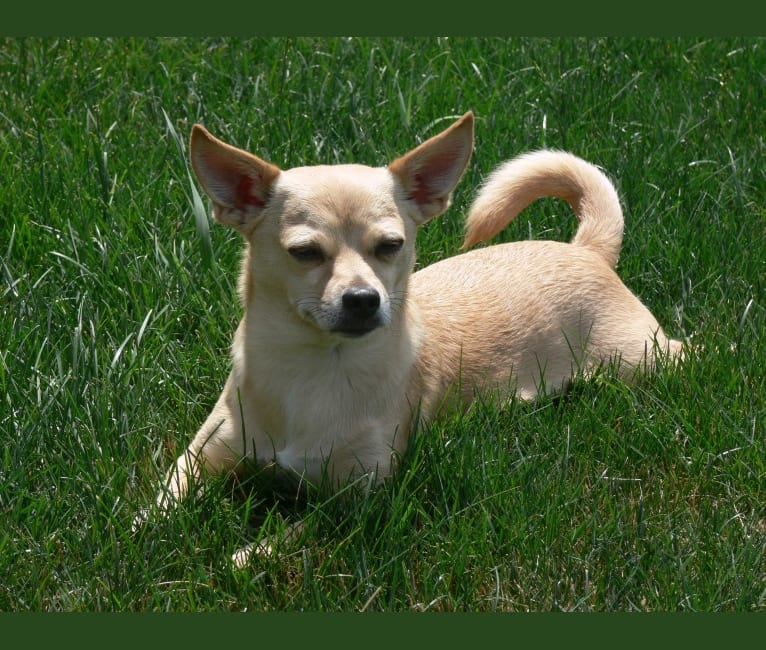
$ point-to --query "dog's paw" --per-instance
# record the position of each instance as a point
(139, 520)
(242, 557)
(267, 547)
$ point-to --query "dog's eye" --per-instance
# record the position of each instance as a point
(388, 247)
(307, 253)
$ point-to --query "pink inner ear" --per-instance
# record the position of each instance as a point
(434, 181)
(245, 195)
(420, 192)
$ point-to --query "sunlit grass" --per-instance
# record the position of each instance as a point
(118, 306)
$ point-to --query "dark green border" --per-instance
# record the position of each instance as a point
(390, 631)
(554, 17)
(392, 17)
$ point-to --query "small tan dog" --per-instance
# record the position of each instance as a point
(341, 346)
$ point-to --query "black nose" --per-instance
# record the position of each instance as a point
(361, 302)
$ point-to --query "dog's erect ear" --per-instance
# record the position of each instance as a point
(431, 171)
(237, 182)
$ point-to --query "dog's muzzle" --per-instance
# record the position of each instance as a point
(360, 312)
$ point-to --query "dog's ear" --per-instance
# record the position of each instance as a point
(237, 182)
(431, 171)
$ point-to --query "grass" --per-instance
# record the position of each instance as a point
(118, 306)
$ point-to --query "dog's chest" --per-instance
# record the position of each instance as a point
(310, 406)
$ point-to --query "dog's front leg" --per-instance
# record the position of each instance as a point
(184, 473)
(215, 450)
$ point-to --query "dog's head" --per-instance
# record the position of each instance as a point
(336, 241)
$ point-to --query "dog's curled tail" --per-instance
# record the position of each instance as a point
(518, 182)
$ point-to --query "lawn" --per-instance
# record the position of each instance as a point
(118, 308)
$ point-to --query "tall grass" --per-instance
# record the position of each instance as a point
(118, 305)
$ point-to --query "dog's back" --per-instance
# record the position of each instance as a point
(524, 317)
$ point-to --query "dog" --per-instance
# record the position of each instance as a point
(342, 349)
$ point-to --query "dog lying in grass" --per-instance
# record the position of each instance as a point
(342, 347)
